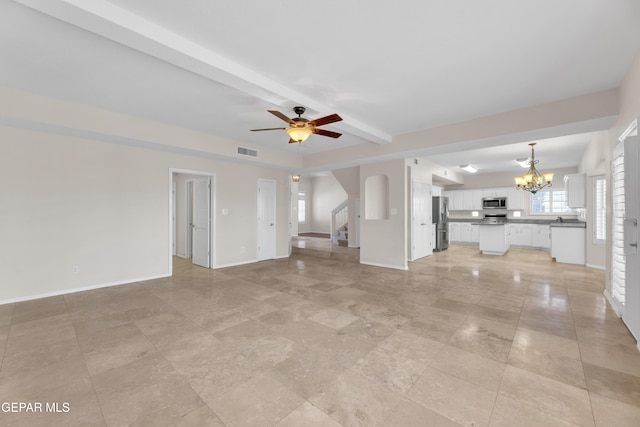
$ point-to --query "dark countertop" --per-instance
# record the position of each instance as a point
(551, 222)
(567, 224)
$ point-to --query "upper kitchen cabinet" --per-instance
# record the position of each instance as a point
(575, 185)
(464, 200)
(515, 199)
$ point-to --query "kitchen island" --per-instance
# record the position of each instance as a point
(568, 242)
(494, 239)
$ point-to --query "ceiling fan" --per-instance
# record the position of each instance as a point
(300, 128)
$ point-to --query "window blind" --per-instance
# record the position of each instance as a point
(618, 258)
(599, 210)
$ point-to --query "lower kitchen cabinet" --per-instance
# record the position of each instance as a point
(460, 232)
(541, 236)
(568, 244)
(521, 234)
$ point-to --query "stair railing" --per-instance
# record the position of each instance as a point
(339, 218)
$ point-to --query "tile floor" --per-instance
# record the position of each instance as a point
(459, 339)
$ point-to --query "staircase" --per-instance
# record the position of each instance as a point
(340, 224)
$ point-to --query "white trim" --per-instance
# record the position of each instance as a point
(614, 304)
(597, 267)
(375, 264)
(283, 257)
(630, 129)
(235, 264)
(82, 289)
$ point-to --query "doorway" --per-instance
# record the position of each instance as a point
(193, 211)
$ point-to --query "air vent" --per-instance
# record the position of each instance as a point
(249, 152)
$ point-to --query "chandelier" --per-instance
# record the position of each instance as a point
(533, 181)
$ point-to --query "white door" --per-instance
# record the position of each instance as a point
(421, 220)
(357, 210)
(266, 219)
(631, 315)
(201, 222)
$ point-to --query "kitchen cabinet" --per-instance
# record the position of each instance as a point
(568, 243)
(465, 200)
(521, 234)
(476, 200)
(471, 200)
(515, 199)
(494, 239)
(475, 233)
(460, 232)
(454, 232)
(493, 192)
(541, 236)
(576, 186)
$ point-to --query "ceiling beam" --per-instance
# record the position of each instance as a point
(131, 30)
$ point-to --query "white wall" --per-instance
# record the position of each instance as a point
(594, 163)
(306, 185)
(104, 208)
(383, 242)
(327, 193)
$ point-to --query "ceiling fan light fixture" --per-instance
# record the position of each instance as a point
(299, 134)
(468, 168)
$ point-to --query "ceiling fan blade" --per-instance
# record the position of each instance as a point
(281, 116)
(326, 120)
(326, 133)
(255, 130)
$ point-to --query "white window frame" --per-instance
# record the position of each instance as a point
(302, 198)
(599, 210)
(566, 211)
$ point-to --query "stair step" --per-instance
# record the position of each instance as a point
(343, 242)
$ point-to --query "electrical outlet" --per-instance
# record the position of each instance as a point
(75, 269)
(242, 249)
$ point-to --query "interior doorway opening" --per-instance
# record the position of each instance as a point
(192, 225)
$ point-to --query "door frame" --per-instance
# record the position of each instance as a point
(188, 217)
(212, 224)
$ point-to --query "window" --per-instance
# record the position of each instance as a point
(302, 207)
(549, 202)
(599, 210)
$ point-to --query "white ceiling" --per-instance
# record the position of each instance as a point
(387, 68)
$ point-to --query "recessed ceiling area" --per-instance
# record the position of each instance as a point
(553, 153)
(217, 67)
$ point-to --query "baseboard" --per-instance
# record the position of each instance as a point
(613, 303)
(82, 289)
(597, 267)
(375, 264)
(235, 264)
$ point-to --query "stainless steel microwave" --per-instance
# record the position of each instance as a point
(494, 203)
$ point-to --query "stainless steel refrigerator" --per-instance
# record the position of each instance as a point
(440, 218)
